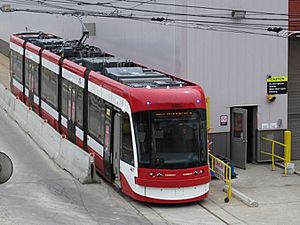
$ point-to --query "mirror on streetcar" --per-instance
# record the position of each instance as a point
(6, 168)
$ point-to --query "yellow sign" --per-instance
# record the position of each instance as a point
(277, 79)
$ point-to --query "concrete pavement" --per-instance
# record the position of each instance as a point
(297, 165)
(278, 196)
(40, 192)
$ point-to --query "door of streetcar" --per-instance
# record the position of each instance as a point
(71, 114)
(107, 153)
(116, 146)
(31, 81)
(239, 137)
(72, 108)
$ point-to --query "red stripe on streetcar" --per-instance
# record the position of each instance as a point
(126, 189)
(173, 178)
(33, 48)
(173, 183)
(74, 68)
(51, 57)
(16, 40)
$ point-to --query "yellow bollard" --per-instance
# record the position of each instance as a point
(287, 147)
(273, 153)
(229, 184)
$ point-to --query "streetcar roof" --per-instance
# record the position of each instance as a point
(144, 88)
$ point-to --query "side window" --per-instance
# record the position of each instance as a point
(96, 113)
(79, 107)
(35, 77)
(49, 87)
(65, 96)
(16, 66)
(27, 71)
(127, 149)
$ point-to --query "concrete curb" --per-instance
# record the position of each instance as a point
(242, 197)
(282, 166)
(64, 153)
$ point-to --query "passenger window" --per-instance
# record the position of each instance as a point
(49, 87)
(96, 117)
(27, 71)
(79, 107)
(31, 75)
(65, 96)
(127, 149)
(35, 75)
(16, 66)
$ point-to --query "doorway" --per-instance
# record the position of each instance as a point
(243, 135)
(116, 147)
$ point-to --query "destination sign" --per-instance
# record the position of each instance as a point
(173, 114)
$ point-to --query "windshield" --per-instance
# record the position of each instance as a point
(171, 139)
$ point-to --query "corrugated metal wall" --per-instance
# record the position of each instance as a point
(294, 95)
(294, 12)
(294, 79)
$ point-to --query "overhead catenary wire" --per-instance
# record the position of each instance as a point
(180, 21)
(182, 25)
(161, 12)
(109, 4)
(46, 3)
(155, 3)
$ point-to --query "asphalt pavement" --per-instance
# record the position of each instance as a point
(40, 192)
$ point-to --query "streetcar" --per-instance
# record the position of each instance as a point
(146, 129)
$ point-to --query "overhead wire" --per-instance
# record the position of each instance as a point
(181, 22)
(161, 12)
(194, 26)
(154, 2)
(198, 26)
(109, 4)
(203, 7)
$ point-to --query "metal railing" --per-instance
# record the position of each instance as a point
(223, 172)
(287, 150)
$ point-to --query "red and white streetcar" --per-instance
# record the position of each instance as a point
(147, 129)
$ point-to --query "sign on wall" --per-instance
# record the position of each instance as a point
(277, 85)
(223, 120)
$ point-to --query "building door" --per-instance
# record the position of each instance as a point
(239, 137)
(116, 147)
(294, 95)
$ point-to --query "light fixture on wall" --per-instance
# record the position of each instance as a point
(238, 14)
(271, 98)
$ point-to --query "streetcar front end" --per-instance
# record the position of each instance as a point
(171, 153)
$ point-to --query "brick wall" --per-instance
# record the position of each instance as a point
(294, 15)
